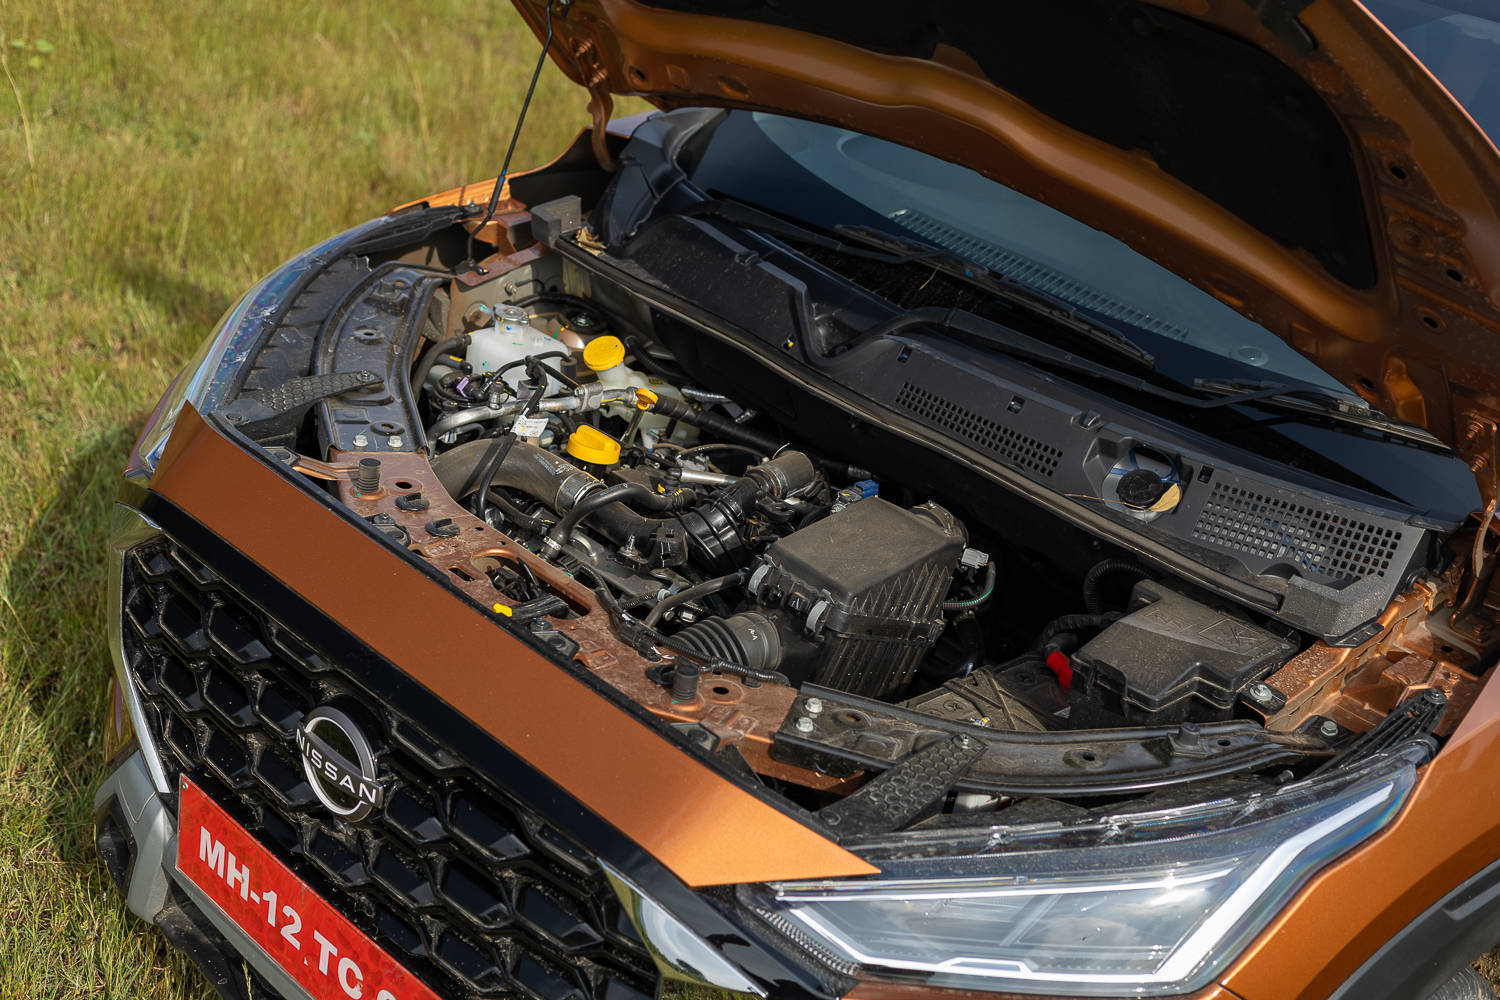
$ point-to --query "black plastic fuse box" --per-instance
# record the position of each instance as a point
(1168, 650)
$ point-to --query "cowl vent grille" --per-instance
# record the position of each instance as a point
(1315, 541)
(1015, 448)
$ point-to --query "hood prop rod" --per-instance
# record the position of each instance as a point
(541, 60)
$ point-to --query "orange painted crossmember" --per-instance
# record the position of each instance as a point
(697, 823)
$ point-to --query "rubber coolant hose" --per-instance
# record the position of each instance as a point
(430, 358)
(676, 409)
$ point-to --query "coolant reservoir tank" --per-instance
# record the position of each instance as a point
(511, 338)
(605, 356)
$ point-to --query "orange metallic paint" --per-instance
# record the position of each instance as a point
(1422, 343)
(1448, 831)
(700, 825)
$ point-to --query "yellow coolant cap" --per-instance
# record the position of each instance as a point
(590, 445)
(603, 353)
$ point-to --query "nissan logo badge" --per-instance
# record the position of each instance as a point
(339, 764)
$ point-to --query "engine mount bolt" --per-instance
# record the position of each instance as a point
(1262, 692)
(1328, 728)
(360, 441)
(367, 480)
(394, 442)
(813, 706)
(805, 724)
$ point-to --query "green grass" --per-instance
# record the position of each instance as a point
(153, 163)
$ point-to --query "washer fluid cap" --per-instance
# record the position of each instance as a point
(1140, 488)
(588, 444)
(603, 353)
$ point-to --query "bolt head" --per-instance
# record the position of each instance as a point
(394, 442)
(1261, 692)
(1328, 728)
(360, 441)
(813, 706)
(805, 724)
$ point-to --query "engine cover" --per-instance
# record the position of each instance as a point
(864, 585)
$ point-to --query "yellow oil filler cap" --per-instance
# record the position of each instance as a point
(603, 353)
(588, 444)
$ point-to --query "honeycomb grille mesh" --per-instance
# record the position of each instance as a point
(471, 890)
(1015, 448)
(1315, 541)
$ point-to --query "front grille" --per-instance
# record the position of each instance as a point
(473, 891)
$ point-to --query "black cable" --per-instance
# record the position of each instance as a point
(516, 134)
(562, 355)
(1068, 624)
(564, 297)
(528, 522)
(985, 590)
(669, 406)
(692, 593)
(494, 457)
(1093, 599)
(655, 367)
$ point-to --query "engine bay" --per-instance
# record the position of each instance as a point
(794, 601)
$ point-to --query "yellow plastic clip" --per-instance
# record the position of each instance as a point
(645, 399)
(501, 609)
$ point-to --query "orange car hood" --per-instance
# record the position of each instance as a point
(1418, 335)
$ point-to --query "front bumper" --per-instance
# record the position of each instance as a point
(159, 899)
(136, 835)
(475, 850)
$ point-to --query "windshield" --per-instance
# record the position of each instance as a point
(910, 193)
(825, 177)
(1459, 40)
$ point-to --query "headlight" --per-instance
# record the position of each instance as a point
(1144, 905)
(205, 381)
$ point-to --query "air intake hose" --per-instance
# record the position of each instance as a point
(748, 639)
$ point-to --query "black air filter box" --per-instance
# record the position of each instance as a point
(1167, 650)
(863, 585)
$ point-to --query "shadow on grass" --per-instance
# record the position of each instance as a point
(66, 931)
(184, 303)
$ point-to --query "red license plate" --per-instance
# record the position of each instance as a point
(327, 954)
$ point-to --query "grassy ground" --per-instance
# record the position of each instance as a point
(153, 163)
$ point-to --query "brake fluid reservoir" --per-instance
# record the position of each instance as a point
(605, 356)
(511, 338)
